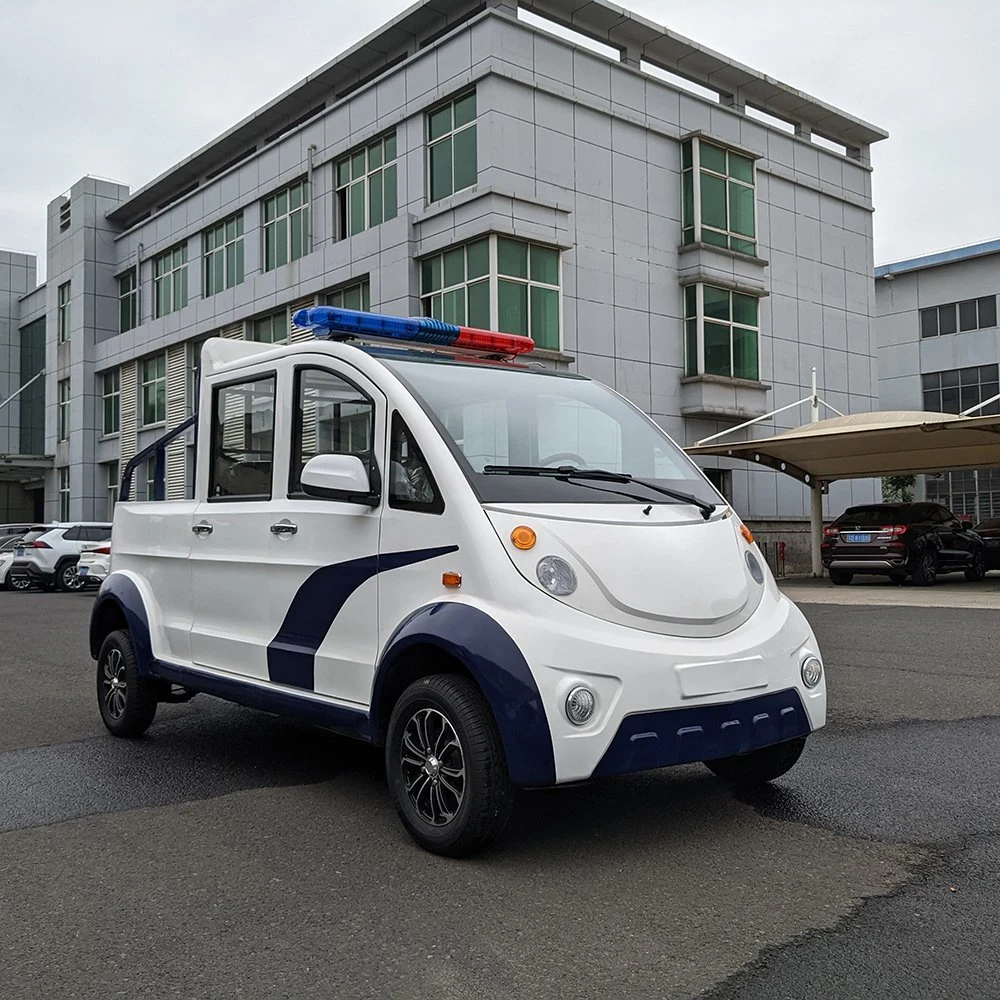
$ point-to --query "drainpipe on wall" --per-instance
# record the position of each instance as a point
(309, 185)
(138, 283)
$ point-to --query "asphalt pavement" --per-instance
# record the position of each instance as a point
(232, 854)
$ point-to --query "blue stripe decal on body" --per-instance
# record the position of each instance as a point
(291, 654)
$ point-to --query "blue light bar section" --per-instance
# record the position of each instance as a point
(326, 319)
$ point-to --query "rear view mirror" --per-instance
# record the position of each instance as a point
(338, 477)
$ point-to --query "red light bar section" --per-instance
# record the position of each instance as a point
(496, 343)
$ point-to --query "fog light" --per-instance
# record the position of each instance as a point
(580, 705)
(812, 671)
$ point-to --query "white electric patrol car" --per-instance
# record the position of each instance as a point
(505, 575)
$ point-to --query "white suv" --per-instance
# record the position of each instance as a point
(47, 556)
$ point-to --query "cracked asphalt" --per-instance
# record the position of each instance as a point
(232, 854)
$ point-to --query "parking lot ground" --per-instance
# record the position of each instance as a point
(951, 591)
(232, 854)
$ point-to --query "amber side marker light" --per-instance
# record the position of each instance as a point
(523, 537)
(451, 579)
(747, 534)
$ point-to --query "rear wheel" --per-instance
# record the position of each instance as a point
(977, 571)
(759, 766)
(925, 567)
(66, 578)
(126, 699)
(840, 577)
(446, 767)
(19, 583)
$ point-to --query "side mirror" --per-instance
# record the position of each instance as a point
(966, 523)
(338, 477)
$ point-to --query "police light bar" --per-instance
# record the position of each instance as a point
(324, 320)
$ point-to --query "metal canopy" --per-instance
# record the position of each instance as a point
(869, 445)
(18, 468)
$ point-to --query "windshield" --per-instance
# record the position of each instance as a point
(496, 417)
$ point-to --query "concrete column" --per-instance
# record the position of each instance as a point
(816, 527)
(803, 132)
(734, 101)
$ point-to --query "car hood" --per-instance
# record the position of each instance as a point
(668, 571)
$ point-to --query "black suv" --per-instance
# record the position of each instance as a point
(918, 540)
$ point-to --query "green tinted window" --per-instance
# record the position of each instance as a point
(452, 160)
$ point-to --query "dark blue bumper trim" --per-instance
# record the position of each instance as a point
(650, 740)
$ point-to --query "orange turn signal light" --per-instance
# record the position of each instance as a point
(451, 579)
(747, 534)
(523, 537)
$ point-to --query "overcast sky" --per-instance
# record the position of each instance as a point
(124, 90)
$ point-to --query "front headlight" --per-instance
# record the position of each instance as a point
(556, 576)
(812, 671)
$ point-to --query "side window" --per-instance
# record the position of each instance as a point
(74, 534)
(332, 417)
(243, 440)
(96, 533)
(411, 485)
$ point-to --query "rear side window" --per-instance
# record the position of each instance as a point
(74, 534)
(332, 417)
(242, 440)
(96, 533)
(411, 485)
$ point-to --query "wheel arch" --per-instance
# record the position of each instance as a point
(458, 638)
(120, 605)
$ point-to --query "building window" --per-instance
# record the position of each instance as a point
(170, 280)
(366, 187)
(63, 312)
(961, 389)
(154, 390)
(111, 395)
(65, 215)
(496, 283)
(286, 225)
(63, 420)
(955, 317)
(128, 301)
(113, 487)
(451, 147)
(271, 329)
(971, 493)
(223, 263)
(356, 296)
(718, 197)
(64, 493)
(31, 401)
(721, 333)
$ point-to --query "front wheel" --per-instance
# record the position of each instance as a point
(126, 699)
(759, 766)
(446, 768)
(66, 578)
(977, 571)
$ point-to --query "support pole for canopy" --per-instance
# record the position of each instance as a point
(815, 499)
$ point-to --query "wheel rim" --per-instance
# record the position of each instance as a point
(433, 766)
(114, 690)
(19, 583)
(930, 569)
(70, 580)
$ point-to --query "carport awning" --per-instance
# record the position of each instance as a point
(17, 468)
(881, 443)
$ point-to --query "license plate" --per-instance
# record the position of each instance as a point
(81, 571)
(858, 538)
(20, 551)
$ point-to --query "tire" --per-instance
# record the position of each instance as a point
(66, 578)
(128, 706)
(840, 577)
(924, 572)
(446, 768)
(977, 571)
(18, 583)
(759, 766)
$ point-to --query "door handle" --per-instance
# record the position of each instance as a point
(202, 528)
(284, 528)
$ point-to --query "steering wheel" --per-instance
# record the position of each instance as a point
(561, 456)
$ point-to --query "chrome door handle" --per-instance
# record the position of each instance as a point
(284, 528)
(202, 528)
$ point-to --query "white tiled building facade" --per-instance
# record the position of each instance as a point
(699, 253)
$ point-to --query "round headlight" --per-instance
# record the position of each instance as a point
(755, 569)
(556, 576)
(580, 705)
(812, 671)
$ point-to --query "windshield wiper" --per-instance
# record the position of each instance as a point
(572, 472)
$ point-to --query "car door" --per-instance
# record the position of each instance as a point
(324, 554)
(231, 525)
(955, 548)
